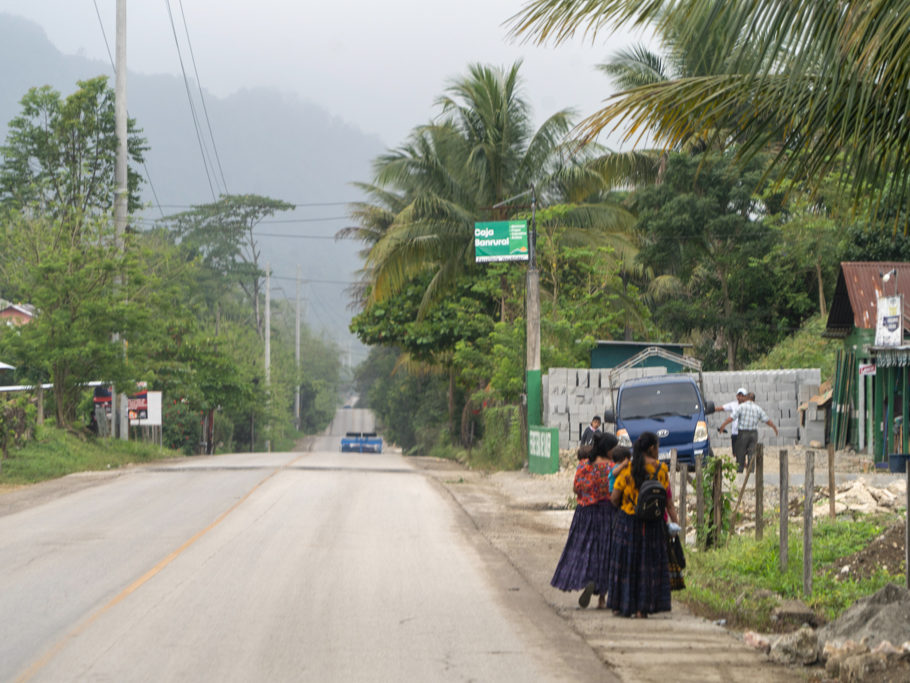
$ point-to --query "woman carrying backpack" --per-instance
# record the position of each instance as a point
(638, 579)
(583, 564)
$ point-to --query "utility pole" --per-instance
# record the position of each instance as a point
(532, 310)
(121, 191)
(533, 322)
(268, 353)
(297, 357)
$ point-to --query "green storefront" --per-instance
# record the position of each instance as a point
(871, 384)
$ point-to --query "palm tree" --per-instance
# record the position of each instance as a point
(451, 173)
(828, 88)
(428, 193)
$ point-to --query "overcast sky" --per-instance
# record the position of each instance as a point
(377, 65)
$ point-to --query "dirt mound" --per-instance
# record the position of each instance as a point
(886, 552)
(880, 617)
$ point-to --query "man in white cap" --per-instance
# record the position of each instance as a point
(749, 415)
(741, 395)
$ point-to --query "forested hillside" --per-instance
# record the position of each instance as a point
(269, 143)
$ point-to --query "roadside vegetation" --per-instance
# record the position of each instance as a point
(54, 453)
(176, 305)
(741, 582)
(724, 232)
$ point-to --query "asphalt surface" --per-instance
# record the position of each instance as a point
(268, 567)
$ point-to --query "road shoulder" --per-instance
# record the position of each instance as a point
(523, 517)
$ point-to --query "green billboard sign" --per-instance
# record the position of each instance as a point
(501, 241)
(543, 450)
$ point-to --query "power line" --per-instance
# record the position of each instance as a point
(313, 282)
(189, 96)
(296, 237)
(305, 220)
(205, 109)
(297, 205)
(110, 57)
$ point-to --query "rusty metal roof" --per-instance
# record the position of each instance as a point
(859, 284)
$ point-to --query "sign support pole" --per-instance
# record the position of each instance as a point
(533, 377)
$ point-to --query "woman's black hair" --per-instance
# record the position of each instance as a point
(642, 445)
(621, 454)
(603, 443)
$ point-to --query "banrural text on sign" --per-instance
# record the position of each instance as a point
(501, 241)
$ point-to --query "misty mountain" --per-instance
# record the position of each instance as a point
(268, 142)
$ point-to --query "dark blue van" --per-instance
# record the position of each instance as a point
(672, 407)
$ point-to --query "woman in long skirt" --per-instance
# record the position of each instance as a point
(638, 577)
(583, 564)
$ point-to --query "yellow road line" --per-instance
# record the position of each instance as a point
(138, 583)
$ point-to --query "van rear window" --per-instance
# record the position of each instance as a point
(652, 400)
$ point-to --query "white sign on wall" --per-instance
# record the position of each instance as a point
(154, 412)
(889, 324)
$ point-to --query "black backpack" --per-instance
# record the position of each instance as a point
(652, 499)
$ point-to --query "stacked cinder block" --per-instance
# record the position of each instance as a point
(815, 428)
(572, 396)
(779, 392)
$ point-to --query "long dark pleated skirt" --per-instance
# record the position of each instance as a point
(584, 558)
(638, 577)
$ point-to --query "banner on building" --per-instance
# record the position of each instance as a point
(889, 326)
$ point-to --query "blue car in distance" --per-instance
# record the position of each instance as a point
(361, 442)
(672, 407)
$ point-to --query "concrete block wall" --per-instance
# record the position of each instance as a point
(572, 396)
(779, 392)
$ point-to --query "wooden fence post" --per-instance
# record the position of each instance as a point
(672, 474)
(759, 491)
(683, 492)
(699, 504)
(784, 511)
(807, 522)
(717, 505)
(832, 485)
(39, 418)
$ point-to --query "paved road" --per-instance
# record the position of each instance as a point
(279, 567)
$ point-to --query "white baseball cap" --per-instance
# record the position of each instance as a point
(741, 391)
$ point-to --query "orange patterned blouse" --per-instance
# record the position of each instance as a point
(591, 482)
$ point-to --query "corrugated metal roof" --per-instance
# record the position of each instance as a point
(859, 285)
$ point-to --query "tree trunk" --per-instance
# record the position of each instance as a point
(451, 401)
(728, 307)
(59, 401)
(822, 305)
(627, 330)
(467, 414)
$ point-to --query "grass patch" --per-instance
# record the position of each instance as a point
(742, 582)
(55, 453)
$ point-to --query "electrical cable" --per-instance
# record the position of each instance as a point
(189, 96)
(107, 46)
(205, 109)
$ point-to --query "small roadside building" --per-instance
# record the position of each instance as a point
(871, 313)
(17, 314)
(609, 354)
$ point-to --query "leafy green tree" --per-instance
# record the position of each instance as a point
(410, 406)
(69, 269)
(829, 90)
(701, 231)
(221, 235)
(60, 151)
(449, 174)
